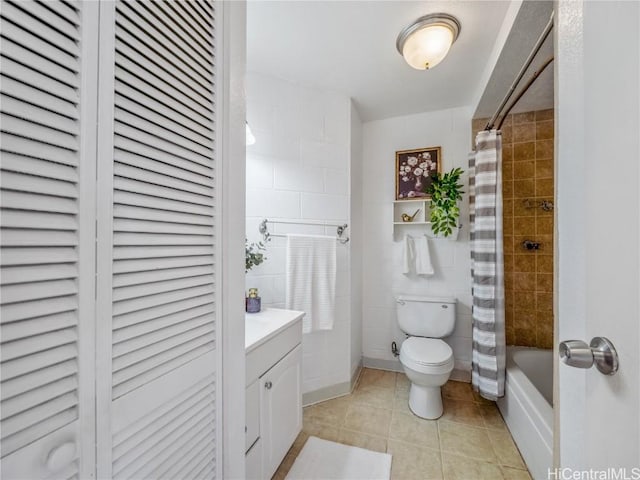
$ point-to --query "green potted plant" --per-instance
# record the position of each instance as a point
(445, 193)
(253, 255)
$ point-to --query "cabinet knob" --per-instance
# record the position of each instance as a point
(268, 385)
(61, 456)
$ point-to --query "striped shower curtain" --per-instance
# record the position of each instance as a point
(487, 265)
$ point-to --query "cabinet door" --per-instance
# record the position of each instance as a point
(48, 87)
(280, 409)
(157, 411)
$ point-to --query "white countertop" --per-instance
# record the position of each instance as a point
(260, 327)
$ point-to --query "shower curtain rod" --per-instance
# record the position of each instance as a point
(527, 63)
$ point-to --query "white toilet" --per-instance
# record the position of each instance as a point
(427, 360)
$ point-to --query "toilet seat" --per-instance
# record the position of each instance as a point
(426, 355)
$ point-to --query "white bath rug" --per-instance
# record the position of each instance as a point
(323, 460)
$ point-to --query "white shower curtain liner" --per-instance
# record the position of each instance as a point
(487, 265)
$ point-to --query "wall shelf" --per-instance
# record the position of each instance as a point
(421, 220)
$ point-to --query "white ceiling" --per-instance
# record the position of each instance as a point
(349, 47)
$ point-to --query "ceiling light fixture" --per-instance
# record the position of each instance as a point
(426, 42)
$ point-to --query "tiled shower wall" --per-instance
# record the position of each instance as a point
(527, 152)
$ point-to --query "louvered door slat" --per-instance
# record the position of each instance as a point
(64, 10)
(37, 273)
(13, 162)
(34, 397)
(29, 382)
(194, 47)
(186, 171)
(44, 48)
(34, 96)
(47, 67)
(140, 316)
(33, 77)
(141, 278)
(41, 100)
(25, 147)
(144, 328)
(157, 114)
(163, 240)
(137, 179)
(144, 194)
(159, 53)
(196, 21)
(20, 109)
(35, 17)
(155, 286)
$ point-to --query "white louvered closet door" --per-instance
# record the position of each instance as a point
(47, 162)
(159, 238)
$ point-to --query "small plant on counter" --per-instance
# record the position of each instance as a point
(253, 255)
(445, 193)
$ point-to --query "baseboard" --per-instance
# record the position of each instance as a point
(356, 375)
(382, 364)
(458, 374)
(326, 393)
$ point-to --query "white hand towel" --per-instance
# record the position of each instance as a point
(311, 279)
(407, 254)
(423, 256)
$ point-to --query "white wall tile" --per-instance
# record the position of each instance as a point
(323, 206)
(287, 176)
(382, 250)
(302, 143)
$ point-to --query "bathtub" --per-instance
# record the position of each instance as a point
(527, 406)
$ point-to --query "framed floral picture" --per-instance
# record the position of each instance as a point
(414, 169)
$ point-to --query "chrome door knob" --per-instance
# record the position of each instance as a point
(600, 352)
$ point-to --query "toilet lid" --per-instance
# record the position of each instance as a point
(427, 351)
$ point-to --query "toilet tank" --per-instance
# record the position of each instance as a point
(432, 317)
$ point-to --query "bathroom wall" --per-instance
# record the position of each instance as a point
(382, 250)
(298, 169)
(527, 146)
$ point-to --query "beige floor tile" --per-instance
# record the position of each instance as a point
(374, 396)
(367, 419)
(505, 449)
(402, 382)
(480, 399)
(401, 404)
(510, 473)
(331, 412)
(377, 378)
(459, 411)
(456, 467)
(457, 390)
(413, 462)
(465, 440)
(492, 417)
(362, 440)
(411, 429)
(320, 430)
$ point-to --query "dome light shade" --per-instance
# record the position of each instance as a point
(426, 42)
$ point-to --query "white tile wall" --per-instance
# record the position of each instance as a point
(298, 169)
(382, 277)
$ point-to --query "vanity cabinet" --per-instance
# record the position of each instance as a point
(273, 388)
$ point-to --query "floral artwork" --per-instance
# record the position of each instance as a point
(414, 169)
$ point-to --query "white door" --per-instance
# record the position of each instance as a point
(157, 411)
(598, 223)
(48, 89)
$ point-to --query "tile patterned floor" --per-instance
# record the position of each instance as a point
(469, 442)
